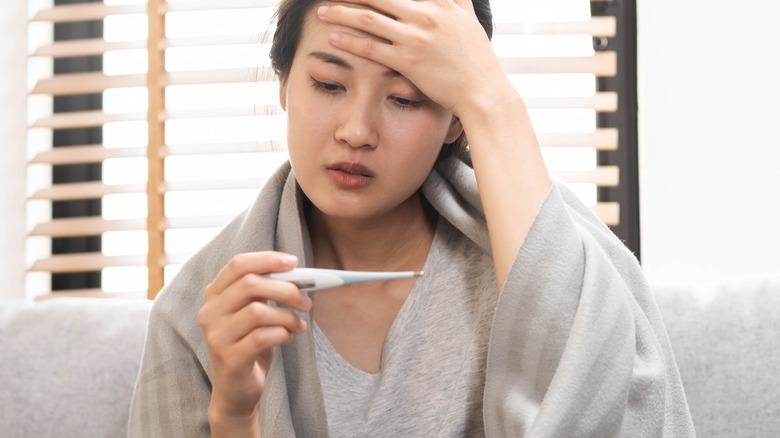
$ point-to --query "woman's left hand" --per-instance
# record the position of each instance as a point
(439, 45)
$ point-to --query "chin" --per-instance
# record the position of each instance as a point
(348, 214)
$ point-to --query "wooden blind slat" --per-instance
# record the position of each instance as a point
(85, 262)
(596, 26)
(216, 40)
(86, 47)
(93, 226)
(198, 113)
(85, 154)
(85, 190)
(602, 176)
(210, 5)
(85, 12)
(175, 259)
(99, 11)
(220, 184)
(196, 222)
(221, 76)
(95, 261)
(603, 139)
(85, 226)
(84, 83)
(609, 212)
(225, 148)
(600, 64)
(98, 46)
(91, 293)
(84, 119)
(605, 101)
(97, 189)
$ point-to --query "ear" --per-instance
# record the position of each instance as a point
(454, 131)
(283, 94)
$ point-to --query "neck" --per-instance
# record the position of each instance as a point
(398, 241)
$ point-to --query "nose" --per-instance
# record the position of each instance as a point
(358, 123)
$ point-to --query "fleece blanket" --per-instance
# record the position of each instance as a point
(577, 346)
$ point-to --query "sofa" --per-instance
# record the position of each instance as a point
(69, 364)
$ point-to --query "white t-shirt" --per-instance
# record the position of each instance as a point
(432, 374)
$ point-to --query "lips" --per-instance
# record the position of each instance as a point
(351, 169)
(348, 175)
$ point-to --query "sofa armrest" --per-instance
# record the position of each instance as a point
(726, 339)
(69, 366)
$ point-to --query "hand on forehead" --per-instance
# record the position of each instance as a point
(394, 8)
(357, 4)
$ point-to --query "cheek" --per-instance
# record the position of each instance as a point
(422, 134)
(307, 127)
(416, 147)
(306, 111)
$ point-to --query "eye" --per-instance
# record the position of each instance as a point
(325, 87)
(407, 103)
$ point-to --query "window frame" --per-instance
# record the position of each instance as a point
(626, 157)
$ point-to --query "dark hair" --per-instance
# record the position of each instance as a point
(289, 26)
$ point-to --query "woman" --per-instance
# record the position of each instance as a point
(532, 319)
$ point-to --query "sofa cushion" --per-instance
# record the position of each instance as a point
(69, 366)
(726, 339)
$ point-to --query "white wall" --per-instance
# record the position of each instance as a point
(13, 18)
(709, 112)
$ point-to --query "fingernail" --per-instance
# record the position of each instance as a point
(322, 10)
(303, 326)
(289, 259)
(335, 37)
(307, 303)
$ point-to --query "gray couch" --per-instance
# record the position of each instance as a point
(69, 364)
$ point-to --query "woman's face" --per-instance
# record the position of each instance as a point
(362, 138)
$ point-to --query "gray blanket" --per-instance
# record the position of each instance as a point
(577, 346)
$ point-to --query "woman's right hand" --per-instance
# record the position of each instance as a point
(242, 329)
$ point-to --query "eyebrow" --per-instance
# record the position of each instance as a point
(341, 62)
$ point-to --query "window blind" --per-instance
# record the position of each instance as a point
(230, 112)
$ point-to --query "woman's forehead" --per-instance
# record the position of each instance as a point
(313, 26)
(315, 41)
